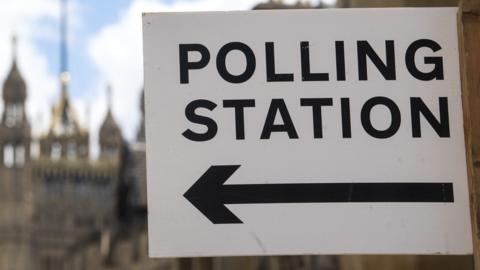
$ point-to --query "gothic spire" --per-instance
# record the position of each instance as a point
(64, 120)
(14, 88)
(110, 136)
(63, 38)
(14, 48)
(64, 74)
(109, 97)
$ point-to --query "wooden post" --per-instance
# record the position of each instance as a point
(469, 34)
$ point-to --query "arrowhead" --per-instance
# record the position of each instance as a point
(206, 194)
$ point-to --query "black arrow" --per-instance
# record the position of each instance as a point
(209, 194)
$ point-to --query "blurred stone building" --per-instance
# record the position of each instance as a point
(59, 208)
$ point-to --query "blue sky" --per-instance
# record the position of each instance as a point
(92, 16)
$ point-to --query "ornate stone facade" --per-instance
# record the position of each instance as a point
(61, 209)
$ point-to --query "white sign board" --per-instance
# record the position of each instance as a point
(305, 132)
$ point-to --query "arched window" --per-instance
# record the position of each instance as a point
(19, 156)
(72, 150)
(14, 114)
(56, 153)
(34, 149)
(8, 156)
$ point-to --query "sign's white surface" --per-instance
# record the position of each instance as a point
(305, 132)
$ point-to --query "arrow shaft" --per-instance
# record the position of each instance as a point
(210, 194)
(337, 193)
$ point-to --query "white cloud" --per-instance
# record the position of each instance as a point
(117, 53)
(25, 19)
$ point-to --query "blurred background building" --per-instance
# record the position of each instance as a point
(62, 210)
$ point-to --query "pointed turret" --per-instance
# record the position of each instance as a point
(66, 138)
(110, 136)
(16, 183)
(15, 129)
(14, 94)
(14, 88)
(64, 119)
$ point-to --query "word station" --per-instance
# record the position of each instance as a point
(365, 53)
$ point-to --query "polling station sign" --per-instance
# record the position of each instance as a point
(305, 132)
